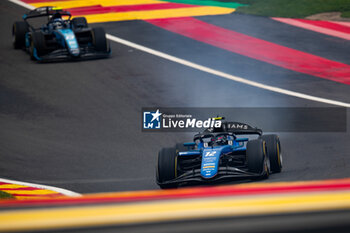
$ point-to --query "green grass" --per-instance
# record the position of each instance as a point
(292, 8)
(228, 4)
(4, 195)
(345, 14)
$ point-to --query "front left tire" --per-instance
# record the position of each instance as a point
(166, 167)
(37, 45)
(257, 160)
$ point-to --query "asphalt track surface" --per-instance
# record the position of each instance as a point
(77, 125)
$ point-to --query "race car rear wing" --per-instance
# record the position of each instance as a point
(235, 128)
(242, 128)
(46, 11)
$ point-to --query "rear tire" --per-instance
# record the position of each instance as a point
(19, 30)
(273, 151)
(99, 39)
(37, 45)
(167, 167)
(79, 22)
(256, 157)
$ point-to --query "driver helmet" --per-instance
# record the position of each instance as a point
(221, 140)
(58, 22)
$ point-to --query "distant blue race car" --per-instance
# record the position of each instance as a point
(59, 39)
(218, 154)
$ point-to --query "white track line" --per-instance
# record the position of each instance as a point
(25, 5)
(212, 71)
(225, 75)
(40, 186)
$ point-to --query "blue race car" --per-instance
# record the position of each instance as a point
(217, 154)
(58, 38)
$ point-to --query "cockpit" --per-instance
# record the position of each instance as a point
(56, 22)
(215, 139)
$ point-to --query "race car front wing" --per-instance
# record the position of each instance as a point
(223, 174)
(63, 54)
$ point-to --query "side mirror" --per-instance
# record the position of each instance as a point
(189, 144)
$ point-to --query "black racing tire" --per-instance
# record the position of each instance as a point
(274, 152)
(256, 158)
(19, 30)
(79, 22)
(167, 167)
(37, 43)
(99, 39)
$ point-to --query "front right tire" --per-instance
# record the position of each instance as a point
(99, 39)
(274, 151)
